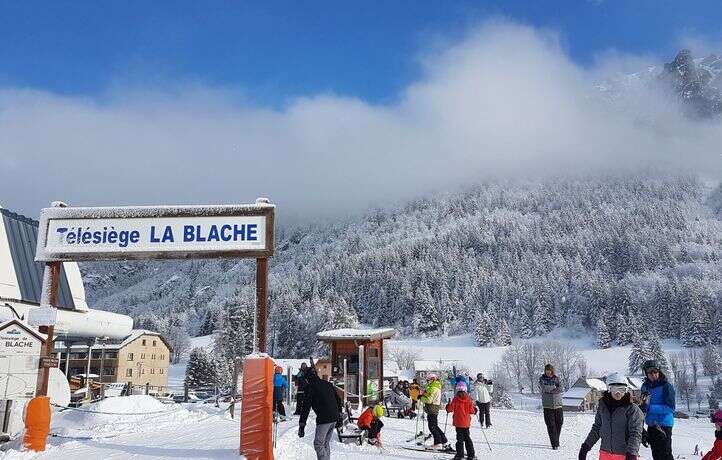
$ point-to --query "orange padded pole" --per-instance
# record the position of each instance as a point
(37, 423)
(257, 408)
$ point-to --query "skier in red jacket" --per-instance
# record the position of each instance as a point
(463, 408)
(716, 452)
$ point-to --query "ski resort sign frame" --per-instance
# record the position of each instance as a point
(156, 232)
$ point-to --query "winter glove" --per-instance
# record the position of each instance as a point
(645, 440)
(339, 423)
(301, 432)
(584, 451)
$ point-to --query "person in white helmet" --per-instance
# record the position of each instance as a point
(618, 423)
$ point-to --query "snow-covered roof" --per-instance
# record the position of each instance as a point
(424, 365)
(356, 334)
(134, 334)
(576, 393)
(597, 384)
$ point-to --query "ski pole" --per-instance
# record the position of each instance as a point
(446, 422)
(484, 434)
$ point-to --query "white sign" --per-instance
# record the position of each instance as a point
(163, 232)
(19, 361)
(42, 316)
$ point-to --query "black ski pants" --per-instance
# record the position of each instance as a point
(484, 413)
(554, 419)
(278, 407)
(463, 439)
(375, 429)
(439, 436)
(661, 444)
(300, 401)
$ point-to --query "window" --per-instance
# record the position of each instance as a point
(130, 356)
(109, 371)
(152, 371)
(143, 342)
(152, 356)
(154, 343)
(142, 356)
(162, 356)
(142, 371)
(129, 372)
(161, 371)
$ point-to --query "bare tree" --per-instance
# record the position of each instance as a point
(694, 358)
(179, 341)
(566, 360)
(532, 357)
(513, 362)
(403, 356)
(682, 380)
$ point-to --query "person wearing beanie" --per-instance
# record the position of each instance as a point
(324, 400)
(618, 423)
(431, 398)
(280, 386)
(370, 421)
(463, 408)
(658, 404)
(716, 452)
(551, 394)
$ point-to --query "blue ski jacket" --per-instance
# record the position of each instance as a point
(662, 402)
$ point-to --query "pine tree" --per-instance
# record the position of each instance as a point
(426, 318)
(656, 353)
(201, 371)
(711, 361)
(625, 329)
(483, 330)
(639, 354)
(503, 336)
(604, 338)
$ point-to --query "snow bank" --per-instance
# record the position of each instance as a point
(110, 411)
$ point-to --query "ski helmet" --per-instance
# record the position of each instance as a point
(461, 386)
(650, 365)
(615, 378)
(716, 417)
(279, 370)
(432, 376)
(479, 376)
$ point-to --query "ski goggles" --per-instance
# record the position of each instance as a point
(619, 389)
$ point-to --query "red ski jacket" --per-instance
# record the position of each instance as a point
(463, 408)
(365, 419)
(716, 452)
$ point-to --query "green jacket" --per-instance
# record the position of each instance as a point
(432, 397)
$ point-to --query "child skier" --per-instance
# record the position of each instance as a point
(463, 407)
(370, 421)
(716, 452)
(280, 386)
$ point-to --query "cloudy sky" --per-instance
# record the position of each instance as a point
(329, 110)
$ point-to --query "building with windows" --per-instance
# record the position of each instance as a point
(141, 358)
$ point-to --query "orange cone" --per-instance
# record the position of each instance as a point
(37, 423)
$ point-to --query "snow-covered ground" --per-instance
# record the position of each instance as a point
(206, 432)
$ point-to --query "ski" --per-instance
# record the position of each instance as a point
(449, 450)
(426, 438)
(418, 435)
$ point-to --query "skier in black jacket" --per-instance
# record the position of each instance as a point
(320, 396)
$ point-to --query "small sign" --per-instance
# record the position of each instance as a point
(165, 232)
(49, 361)
(19, 351)
(43, 316)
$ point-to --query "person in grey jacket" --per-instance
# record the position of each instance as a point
(551, 392)
(618, 423)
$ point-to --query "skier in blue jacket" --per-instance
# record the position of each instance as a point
(280, 386)
(658, 405)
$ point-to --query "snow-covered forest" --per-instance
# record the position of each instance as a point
(612, 255)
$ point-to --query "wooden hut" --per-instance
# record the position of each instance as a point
(362, 351)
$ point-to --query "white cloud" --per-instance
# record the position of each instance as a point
(505, 100)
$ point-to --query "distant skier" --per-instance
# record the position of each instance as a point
(324, 400)
(280, 386)
(432, 403)
(370, 421)
(618, 423)
(658, 403)
(551, 392)
(481, 392)
(716, 452)
(301, 382)
(463, 408)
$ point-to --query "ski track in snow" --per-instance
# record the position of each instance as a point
(204, 432)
